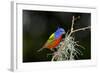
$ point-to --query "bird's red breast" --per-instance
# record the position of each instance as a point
(54, 43)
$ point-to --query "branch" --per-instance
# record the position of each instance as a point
(81, 29)
(53, 58)
(73, 19)
(72, 31)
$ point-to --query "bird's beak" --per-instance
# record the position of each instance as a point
(64, 32)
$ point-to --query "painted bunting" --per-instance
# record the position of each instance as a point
(54, 39)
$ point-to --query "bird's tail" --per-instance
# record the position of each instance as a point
(40, 49)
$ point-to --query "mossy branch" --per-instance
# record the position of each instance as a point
(68, 44)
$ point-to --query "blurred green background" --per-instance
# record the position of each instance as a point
(39, 25)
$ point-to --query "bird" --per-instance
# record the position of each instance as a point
(53, 40)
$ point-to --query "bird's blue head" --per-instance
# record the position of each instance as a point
(59, 32)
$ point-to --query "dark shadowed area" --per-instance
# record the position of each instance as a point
(39, 25)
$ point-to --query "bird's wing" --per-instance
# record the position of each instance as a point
(51, 38)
